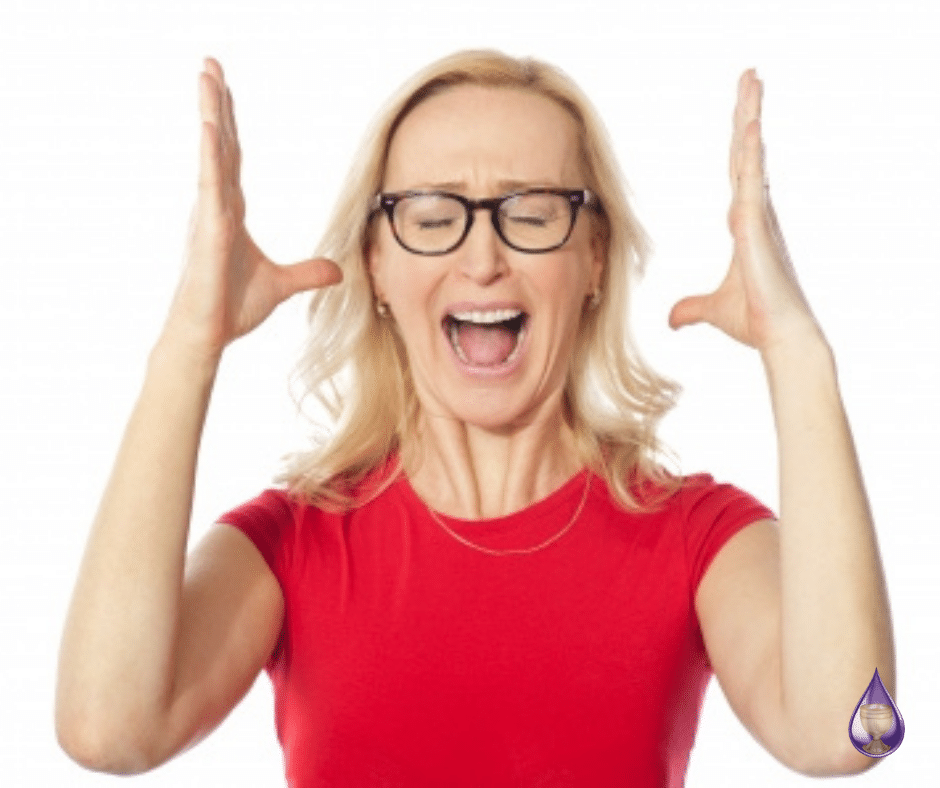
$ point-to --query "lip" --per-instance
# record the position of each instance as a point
(488, 373)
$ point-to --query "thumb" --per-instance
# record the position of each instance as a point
(688, 311)
(307, 275)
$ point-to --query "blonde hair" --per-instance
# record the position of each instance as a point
(355, 364)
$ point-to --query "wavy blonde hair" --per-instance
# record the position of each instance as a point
(355, 364)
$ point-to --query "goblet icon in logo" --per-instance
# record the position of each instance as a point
(877, 727)
(877, 719)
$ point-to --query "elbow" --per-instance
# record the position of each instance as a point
(99, 755)
(839, 761)
(850, 761)
(111, 748)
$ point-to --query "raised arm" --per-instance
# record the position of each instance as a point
(154, 651)
(795, 618)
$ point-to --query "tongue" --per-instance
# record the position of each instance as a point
(486, 345)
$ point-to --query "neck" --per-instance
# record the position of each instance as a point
(471, 473)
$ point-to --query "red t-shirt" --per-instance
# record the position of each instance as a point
(410, 659)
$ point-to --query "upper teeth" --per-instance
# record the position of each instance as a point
(493, 316)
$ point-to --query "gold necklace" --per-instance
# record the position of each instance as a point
(518, 550)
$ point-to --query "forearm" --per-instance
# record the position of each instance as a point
(835, 627)
(117, 657)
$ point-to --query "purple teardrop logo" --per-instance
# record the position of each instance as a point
(876, 728)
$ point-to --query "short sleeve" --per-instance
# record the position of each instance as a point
(712, 514)
(268, 521)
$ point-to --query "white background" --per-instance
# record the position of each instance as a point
(98, 132)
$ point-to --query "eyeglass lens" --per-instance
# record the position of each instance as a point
(430, 223)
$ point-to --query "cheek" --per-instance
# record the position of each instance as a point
(567, 282)
(392, 269)
(409, 287)
(385, 271)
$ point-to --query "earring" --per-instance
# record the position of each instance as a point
(381, 309)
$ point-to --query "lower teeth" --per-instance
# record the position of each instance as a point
(519, 337)
(455, 344)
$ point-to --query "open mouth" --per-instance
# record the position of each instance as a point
(486, 339)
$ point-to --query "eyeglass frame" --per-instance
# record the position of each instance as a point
(577, 198)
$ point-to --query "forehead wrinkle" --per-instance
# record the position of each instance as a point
(479, 184)
(502, 186)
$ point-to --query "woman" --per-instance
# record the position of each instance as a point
(484, 578)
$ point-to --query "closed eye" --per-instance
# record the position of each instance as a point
(532, 221)
(434, 224)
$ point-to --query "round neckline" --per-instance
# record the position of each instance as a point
(522, 528)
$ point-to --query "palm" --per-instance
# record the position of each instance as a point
(759, 300)
(229, 285)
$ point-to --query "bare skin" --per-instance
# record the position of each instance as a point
(146, 616)
(155, 652)
(489, 446)
(795, 617)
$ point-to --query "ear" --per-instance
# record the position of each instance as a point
(598, 258)
(376, 268)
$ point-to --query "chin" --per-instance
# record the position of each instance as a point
(491, 411)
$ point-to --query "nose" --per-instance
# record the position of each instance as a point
(482, 255)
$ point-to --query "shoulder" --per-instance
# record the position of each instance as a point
(712, 514)
(267, 513)
(279, 511)
(704, 512)
(341, 488)
(274, 503)
(695, 496)
(275, 521)
(703, 499)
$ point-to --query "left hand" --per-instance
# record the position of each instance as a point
(760, 302)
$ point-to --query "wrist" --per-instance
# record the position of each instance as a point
(802, 348)
(802, 374)
(196, 361)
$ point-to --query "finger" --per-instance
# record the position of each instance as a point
(210, 191)
(215, 108)
(212, 82)
(231, 149)
(747, 213)
(208, 98)
(214, 69)
(688, 311)
(221, 116)
(210, 165)
(751, 108)
(752, 186)
(733, 153)
(233, 132)
(735, 135)
(307, 275)
(747, 108)
(228, 133)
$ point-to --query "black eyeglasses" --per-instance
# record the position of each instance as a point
(532, 221)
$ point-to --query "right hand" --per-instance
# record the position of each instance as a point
(229, 286)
